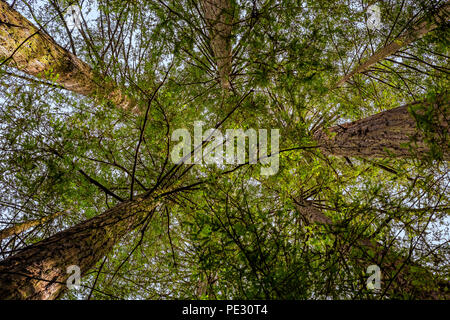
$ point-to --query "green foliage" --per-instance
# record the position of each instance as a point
(238, 234)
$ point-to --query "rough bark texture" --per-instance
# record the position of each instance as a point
(410, 35)
(367, 252)
(311, 214)
(392, 132)
(218, 15)
(39, 271)
(24, 226)
(32, 51)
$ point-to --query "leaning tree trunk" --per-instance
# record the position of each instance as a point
(365, 251)
(218, 16)
(410, 35)
(399, 132)
(31, 50)
(27, 225)
(39, 271)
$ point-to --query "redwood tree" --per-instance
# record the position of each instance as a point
(140, 226)
(412, 130)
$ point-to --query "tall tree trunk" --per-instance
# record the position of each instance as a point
(31, 50)
(392, 132)
(39, 271)
(24, 226)
(218, 15)
(393, 266)
(421, 28)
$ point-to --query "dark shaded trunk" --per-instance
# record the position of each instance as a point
(30, 50)
(408, 277)
(39, 271)
(420, 29)
(400, 132)
(218, 16)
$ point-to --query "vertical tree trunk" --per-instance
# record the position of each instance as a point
(410, 35)
(218, 15)
(39, 271)
(24, 226)
(392, 132)
(367, 252)
(30, 50)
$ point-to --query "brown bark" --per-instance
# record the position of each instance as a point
(368, 252)
(218, 15)
(30, 50)
(392, 132)
(24, 226)
(39, 271)
(421, 28)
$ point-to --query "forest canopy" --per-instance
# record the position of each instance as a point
(224, 149)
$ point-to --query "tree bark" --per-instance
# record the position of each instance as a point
(31, 50)
(218, 15)
(421, 28)
(392, 132)
(393, 266)
(39, 271)
(24, 226)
